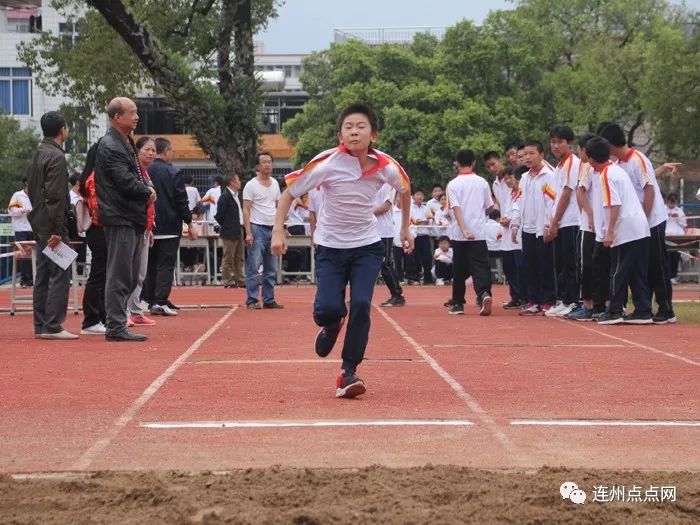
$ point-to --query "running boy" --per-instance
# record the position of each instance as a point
(627, 236)
(349, 246)
(470, 200)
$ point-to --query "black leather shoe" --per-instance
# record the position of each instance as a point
(125, 336)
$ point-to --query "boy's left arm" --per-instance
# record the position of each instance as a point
(279, 234)
(407, 240)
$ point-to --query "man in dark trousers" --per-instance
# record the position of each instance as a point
(47, 187)
(172, 209)
(122, 194)
(229, 215)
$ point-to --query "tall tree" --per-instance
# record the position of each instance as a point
(17, 145)
(198, 53)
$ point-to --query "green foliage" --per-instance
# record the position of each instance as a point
(17, 145)
(512, 78)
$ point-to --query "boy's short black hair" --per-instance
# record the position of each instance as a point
(508, 170)
(263, 154)
(443, 238)
(416, 189)
(521, 145)
(495, 215)
(613, 133)
(491, 155)
(188, 179)
(598, 149)
(219, 180)
(361, 108)
(162, 145)
(562, 132)
(672, 197)
(537, 144)
(51, 124)
(74, 178)
(465, 157)
(437, 186)
(512, 145)
(583, 139)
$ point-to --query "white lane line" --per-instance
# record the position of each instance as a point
(296, 361)
(304, 423)
(604, 423)
(89, 456)
(638, 345)
(475, 407)
(525, 345)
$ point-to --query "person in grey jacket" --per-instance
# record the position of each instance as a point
(47, 187)
(122, 195)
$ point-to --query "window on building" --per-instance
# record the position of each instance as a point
(157, 118)
(68, 32)
(287, 71)
(16, 90)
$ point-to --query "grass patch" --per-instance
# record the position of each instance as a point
(687, 312)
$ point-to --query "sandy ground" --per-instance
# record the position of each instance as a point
(373, 495)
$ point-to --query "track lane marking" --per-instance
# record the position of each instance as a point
(605, 422)
(101, 444)
(458, 389)
(309, 423)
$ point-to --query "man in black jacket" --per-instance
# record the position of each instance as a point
(122, 195)
(172, 209)
(47, 187)
(229, 215)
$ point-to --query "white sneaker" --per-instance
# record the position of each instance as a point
(674, 281)
(440, 282)
(568, 308)
(554, 310)
(63, 334)
(162, 309)
(96, 329)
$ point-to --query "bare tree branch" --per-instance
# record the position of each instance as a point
(204, 11)
(638, 122)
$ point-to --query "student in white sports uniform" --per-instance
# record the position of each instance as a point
(350, 249)
(641, 172)
(511, 243)
(443, 258)
(627, 235)
(675, 225)
(564, 226)
(470, 201)
(384, 211)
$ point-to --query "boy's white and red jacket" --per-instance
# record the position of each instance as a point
(346, 219)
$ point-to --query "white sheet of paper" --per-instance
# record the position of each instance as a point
(62, 254)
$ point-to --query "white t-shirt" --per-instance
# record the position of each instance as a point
(641, 171)
(566, 176)
(584, 181)
(442, 218)
(397, 215)
(420, 213)
(595, 191)
(433, 205)
(676, 222)
(346, 219)
(19, 207)
(296, 215)
(263, 201)
(444, 257)
(472, 195)
(193, 196)
(538, 198)
(617, 190)
(511, 210)
(74, 197)
(501, 192)
(211, 197)
(385, 221)
(494, 234)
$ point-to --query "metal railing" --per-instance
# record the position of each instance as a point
(375, 36)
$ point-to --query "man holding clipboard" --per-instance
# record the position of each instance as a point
(47, 185)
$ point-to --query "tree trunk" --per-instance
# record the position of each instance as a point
(225, 124)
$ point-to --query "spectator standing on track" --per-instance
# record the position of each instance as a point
(172, 209)
(94, 317)
(383, 211)
(122, 196)
(79, 245)
(260, 197)
(511, 243)
(47, 185)
(18, 209)
(229, 215)
(350, 249)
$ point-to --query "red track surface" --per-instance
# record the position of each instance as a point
(81, 405)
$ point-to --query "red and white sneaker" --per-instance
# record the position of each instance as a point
(532, 309)
(349, 386)
(141, 320)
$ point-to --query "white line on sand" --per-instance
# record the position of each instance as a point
(604, 423)
(305, 423)
(89, 456)
(638, 345)
(475, 407)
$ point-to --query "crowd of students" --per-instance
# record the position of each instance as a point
(573, 237)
